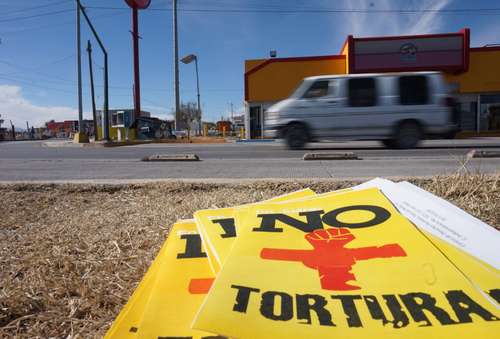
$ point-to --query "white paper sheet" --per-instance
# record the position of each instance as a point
(442, 219)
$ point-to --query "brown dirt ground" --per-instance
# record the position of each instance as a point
(71, 255)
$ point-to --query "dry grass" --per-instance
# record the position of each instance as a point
(71, 255)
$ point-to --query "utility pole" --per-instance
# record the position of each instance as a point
(79, 66)
(232, 114)
(137, 80)
(94, 113)
(105, 118)
(176, 67)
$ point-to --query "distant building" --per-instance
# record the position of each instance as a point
(239, 121)
(61, 128)
(121, 123)
(224, 126)
(5, 133)
(64, 129)
(152, 128)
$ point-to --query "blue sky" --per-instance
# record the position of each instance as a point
(38, 54)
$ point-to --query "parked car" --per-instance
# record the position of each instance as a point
(399, 109)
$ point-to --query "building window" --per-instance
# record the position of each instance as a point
(317, 90)
(255, 122)
(362, 92)
(117, 118)
(490, 112)
(413, 90)
(468, 116)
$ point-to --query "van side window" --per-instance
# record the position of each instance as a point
(362, 92)
(413, 90)
(317, 90)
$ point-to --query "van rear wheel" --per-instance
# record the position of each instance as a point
(389, 143)
(296, 136)
(408, 135)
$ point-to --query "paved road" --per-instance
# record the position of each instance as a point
(32, 161)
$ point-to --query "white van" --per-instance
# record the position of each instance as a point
(400, 109)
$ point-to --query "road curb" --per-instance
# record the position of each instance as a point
(251, 141)
(171, 157)
(331, 156)
(483, 154)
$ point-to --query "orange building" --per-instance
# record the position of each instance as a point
(474, 73)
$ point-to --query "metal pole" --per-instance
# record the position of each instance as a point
(176, 67)
(94, 114)
(105, 133)
(478, 115)
(79, 66)
(105, 120)
(232, 114)
(137, 84)
(198, 91)
(13, 130)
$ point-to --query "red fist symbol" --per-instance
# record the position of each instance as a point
(329, 256)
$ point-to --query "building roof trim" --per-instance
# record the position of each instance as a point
(485, 49)
(292, 59)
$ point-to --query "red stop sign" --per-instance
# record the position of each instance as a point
(139, 4)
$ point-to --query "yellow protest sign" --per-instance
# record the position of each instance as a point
(240, 214)
(218, 229)
(347, 266)
(182, 280)
(127, 322)
(484, 276)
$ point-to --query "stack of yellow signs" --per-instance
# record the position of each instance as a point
(345, 264)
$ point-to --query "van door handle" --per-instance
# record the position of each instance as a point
(331, 101)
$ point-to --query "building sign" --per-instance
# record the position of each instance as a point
(439, 52)
(408, 52)
(139, 4)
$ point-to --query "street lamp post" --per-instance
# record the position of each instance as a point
(187, 60)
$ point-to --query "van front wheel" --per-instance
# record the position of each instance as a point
(296, 136)
(408, 135)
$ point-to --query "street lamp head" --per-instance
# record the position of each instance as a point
(188, 59)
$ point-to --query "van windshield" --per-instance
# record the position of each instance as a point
(317, 90)
(298, 90)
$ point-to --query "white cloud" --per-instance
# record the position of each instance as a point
(18, 109)
(366, 24)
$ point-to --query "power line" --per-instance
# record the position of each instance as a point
(37, 15)
(460, 11)
(66, 23)
(71, 83)
(27, 9)
(28, 83)
(35, 70)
